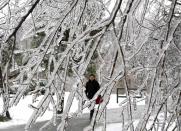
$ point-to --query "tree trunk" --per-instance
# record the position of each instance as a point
(5, 97)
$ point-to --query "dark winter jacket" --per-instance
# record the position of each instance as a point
(91, 88)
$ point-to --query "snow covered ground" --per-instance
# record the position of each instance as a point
(111, 127)
(21, 113)
(118, 126)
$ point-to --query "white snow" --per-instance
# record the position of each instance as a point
(111, 127)
(114, 126)
(21, 113)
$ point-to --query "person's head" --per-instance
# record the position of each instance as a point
(92, 77)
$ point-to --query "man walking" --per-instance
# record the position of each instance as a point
(92, 86)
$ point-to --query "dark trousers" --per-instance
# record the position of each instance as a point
(91, 113)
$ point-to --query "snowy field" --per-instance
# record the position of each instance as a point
(21, 113)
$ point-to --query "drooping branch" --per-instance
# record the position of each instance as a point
(22, 20)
